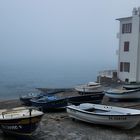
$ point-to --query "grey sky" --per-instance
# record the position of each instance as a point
(61, 31)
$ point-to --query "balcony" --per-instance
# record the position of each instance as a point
(108, 73)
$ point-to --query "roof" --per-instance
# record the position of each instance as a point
(124, 18)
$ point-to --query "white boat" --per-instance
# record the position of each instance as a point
(123, 93)
(90, 87)
(131, 86)
(106, 115)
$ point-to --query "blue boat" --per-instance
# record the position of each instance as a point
(49, 102)
(54, 102)
(25, 99)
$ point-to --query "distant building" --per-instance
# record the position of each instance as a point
(129, 48)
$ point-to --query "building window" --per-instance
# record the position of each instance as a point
(121, 66)
(127, 28)
(126, 46)
(124, 66)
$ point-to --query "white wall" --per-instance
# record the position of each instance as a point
(132, 55)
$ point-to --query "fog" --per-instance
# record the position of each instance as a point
(66, 33)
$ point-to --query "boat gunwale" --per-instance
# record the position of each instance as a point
(23, 117)
(49, 101)
(70, 98)
(20, 115)
(91, 113)
(127, 91)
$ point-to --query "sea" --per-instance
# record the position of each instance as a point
(16, 80)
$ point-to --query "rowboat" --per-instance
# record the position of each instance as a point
(25, 99)
(105, 115)
(54, 102)
(20, 121)
(48, 103)
(91, 87)
(123, 94)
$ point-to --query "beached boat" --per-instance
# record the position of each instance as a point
(49, 102)
(90, 98)
(106, 115)
(54, 90)
(123, 93)
(25, 99)
(91, 87)
(131, 86)
(20, 121)
(54, 102)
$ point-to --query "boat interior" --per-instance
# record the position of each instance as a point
(19, 112)
(103, 109)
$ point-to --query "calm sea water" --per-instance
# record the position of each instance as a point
(19, 80)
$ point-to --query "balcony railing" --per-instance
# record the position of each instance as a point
(108, 73)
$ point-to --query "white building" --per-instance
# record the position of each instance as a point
(129, 48)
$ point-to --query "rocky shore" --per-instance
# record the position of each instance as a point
(58, 126)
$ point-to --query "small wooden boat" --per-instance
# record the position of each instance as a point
(106, 115)
(123, 94)
(20, 121)
(54, 90)
(54, 102)
(49, 102)
(91, 87)
(25, 99)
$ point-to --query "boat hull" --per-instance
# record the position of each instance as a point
(21, 126)
(95, 98)
(88, 90)
(130, 87)
(62, 103)
(128, 95)
(121, 121)
(57, 104)
(26, 101)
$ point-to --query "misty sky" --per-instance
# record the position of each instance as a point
(63, 32)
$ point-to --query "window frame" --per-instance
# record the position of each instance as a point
(126, 46)
(126, 28)
(124, 66)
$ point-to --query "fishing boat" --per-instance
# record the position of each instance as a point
(54, 102)
(105, 115)
(20, 121)
(25, 99)
(52, 91)
(91, 87)
(90, 98)
(49, 102)
(123, 94)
